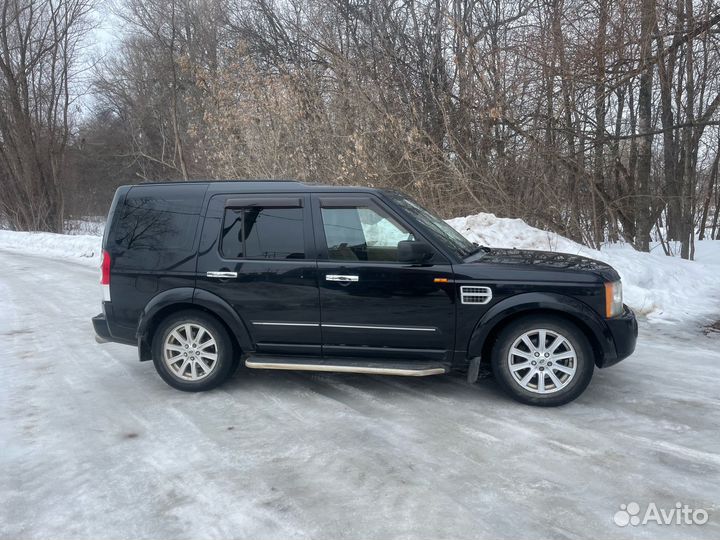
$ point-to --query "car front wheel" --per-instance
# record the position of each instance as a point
(543, 360)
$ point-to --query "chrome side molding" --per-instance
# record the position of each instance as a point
(349, 326)
(378, 327)
(270, 323)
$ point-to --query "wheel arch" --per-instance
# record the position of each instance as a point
(174, 300)
(511, 309)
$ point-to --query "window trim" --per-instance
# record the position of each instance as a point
(264, 202)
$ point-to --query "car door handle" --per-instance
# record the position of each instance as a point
(342, 278)
(223, 275)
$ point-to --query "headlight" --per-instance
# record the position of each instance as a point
(613, 299)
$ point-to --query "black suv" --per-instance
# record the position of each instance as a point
(303, 277)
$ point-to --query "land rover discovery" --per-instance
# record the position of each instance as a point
(282, 275)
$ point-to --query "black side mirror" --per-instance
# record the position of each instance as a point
(414, 252)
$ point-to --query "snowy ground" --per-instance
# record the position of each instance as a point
(93, 444)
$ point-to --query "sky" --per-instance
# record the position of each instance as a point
(99, 43)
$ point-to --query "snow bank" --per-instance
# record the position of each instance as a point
(85, 248)
(660, 287)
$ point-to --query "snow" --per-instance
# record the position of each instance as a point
(94, 445)
(656, 286)
(86, 248)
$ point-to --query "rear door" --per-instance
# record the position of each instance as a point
(255, 253)
(373, 306)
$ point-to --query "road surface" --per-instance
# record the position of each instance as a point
(94, 445)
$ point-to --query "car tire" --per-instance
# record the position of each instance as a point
(192, 351)
(543, 360)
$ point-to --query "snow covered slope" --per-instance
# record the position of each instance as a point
(85, 248)
(659, 287)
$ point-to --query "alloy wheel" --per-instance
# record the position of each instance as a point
(542, 361)
(190, 352)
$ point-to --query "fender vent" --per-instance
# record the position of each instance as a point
(475, 295)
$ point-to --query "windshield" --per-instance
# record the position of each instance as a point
(453, 239)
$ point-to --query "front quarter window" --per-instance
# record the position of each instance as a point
(452, 239)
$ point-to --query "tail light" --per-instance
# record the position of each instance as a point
(105, 275)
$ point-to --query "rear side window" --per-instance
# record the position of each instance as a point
(160, 218)
(263, 233)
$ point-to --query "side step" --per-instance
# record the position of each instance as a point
(407, 369)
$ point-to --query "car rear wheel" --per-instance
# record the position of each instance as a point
(192, 351)
(543, 360)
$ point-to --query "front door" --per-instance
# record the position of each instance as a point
(256, 253)
(373, 306)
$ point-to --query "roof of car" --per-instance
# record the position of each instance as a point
(265, 186)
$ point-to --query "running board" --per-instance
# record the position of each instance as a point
(406, 369)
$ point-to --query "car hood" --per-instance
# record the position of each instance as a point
(525, 259)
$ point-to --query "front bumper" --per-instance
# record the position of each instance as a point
(624, 331)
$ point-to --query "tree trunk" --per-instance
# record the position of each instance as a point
(643, 212)
(712, 182)
(687, 232)
(600, 113)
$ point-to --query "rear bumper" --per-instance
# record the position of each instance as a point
(624, 331)
(102, 331)
(101, 328)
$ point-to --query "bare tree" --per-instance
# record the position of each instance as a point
(39, 42)
(595, 119)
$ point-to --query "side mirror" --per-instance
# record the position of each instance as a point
(414, 252)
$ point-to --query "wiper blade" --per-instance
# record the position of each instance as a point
(479, 248)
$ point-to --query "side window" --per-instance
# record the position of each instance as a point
(159, 218)
(263, 233)
(362, 233)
